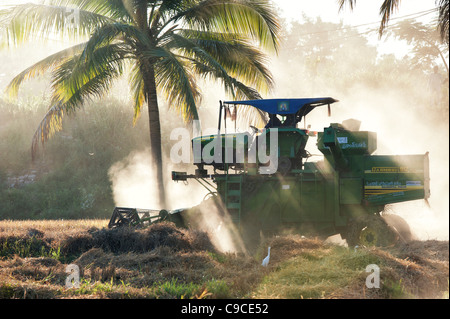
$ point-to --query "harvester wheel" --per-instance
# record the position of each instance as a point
(368, 236)
(370, 231)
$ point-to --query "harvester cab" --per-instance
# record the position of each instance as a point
(238, 151)
(345, 193)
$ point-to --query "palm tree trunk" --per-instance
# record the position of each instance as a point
(148, 72)
(155, 133)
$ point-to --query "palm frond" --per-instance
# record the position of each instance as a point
(233, 87)
(254, 18)
(386, 10)
(251, 116)
(237, 62)
(237, 91)
(172, 7)
(443, 19)
(167, 9)
(138, 90)
(38, 21)
(190, 50)
(115, 31)
(86, 76)
(176, 81)
(117, 10)
(41, 67)
(342, 4)
(68, 97)
(50, 124)
(240, 59)
(205, 65)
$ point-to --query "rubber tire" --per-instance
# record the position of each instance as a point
(400, 225)
(370, 224)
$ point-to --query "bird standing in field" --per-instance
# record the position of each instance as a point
(265, 261)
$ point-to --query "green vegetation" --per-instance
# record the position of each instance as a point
(317, 273)
(28, 247)
(312, 269)
(70, 179)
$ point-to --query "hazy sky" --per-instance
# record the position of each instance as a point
(365, 11)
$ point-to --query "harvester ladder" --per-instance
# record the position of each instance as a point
(233, 196)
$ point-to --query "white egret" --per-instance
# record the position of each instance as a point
(265, 261)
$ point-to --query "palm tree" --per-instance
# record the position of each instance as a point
(389, 6)
(165, 45)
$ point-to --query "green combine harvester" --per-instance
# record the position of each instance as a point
(346, 193)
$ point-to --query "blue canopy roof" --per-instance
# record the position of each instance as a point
(286, 106)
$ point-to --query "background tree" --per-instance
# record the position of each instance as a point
(427, 51)
(389, 6)
(426, 42)
(165, 44)
(315, 56)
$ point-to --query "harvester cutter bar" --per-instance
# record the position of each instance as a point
(124, 216)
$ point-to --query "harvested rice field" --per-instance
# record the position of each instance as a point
(82, 259)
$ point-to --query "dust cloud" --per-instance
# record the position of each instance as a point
(391, 97)
(133, 184)
(402, 128)
(212, 218)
